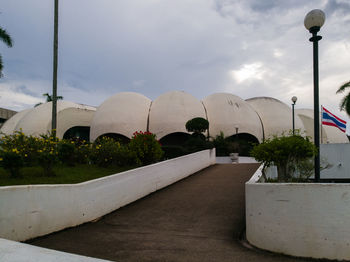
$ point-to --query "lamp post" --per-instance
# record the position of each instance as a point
(294, 100)
(313, 22)
(237, 140)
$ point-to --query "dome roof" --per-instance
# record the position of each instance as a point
(37, 121)
(275, 115)
(329, 134)
(226, 112)
(123, 113)
(10, 125)
(170, 112)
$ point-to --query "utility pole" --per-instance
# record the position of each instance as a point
(54, 79)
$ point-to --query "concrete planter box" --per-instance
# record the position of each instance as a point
(299, 219)
(35, 210)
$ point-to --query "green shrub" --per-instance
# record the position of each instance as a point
(26, 146)
(105, 151)
(67, 152)
(125, 156)
(195, 144)
(83, 152)
(172, 151)
(146, 148)
(286, 152)
(48, 153)
(221, 144)
(12, 162)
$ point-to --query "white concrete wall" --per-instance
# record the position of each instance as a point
(11, 251)
(306, 220)
(337, 155)
(35, 210)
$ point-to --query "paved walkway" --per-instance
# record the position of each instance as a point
(197, 219)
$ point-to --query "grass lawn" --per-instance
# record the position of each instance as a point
(64, 175)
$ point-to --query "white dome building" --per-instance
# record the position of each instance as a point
(37, 121)
(226, 112)
(170, 112)
(275, 115)
(329, 134)
(10, 125)
(122, 114)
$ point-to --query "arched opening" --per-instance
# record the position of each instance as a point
(173, 144)
(78, 132)
(175, 139)
(117, 137)
(243, 143)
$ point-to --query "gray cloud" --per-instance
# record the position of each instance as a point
(151, 47)
(336, 7)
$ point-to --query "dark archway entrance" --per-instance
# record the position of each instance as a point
(175, 139)
(78, 132)
(243, 143)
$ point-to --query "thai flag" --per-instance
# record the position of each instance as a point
(330, 119)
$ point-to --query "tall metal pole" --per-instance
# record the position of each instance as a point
(54, 78)
(315, 38)
(293, 118)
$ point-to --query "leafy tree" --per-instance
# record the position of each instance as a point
(345, 102)
(285, 152)
(6, 38)
(198, 125)
(49, 98)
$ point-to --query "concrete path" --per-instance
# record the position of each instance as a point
(197, 219)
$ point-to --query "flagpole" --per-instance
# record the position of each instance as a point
(321, 124)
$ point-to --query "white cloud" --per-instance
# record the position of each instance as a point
(248, 72)
(12, 99)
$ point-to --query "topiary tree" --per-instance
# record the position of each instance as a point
(197, 125)
(285, 152)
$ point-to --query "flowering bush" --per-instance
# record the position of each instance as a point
(25, 146)
(105, 151)
(29, 150)
(12, 162)
(82, 152)
(146, 148)
(48, 153)
(19, 150)
(67, 152)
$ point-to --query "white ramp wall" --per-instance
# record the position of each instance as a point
(35, 210)
(337, 156)
(299, 219)
(11, 251)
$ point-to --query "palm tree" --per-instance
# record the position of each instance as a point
(49, 98)
(345, 102)
(6, 38)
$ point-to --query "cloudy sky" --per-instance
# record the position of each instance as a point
(246, 47)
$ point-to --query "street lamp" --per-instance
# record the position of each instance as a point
(237, 140)
(294, 100)
(313, 21)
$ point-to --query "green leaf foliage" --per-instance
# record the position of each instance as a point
(345, 102)
(146, 148)
(197, 125)
(286, 152)
(5, 38)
